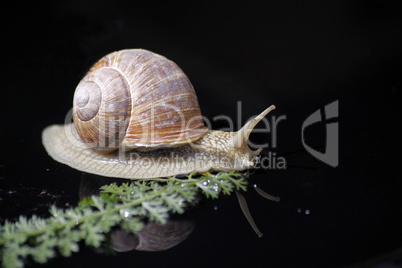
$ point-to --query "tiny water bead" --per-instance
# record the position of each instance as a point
(306, 211)
(216, 187)
(212, 186)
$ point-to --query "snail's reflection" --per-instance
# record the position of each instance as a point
(154, 237)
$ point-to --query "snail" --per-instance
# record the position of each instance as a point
(136, 115)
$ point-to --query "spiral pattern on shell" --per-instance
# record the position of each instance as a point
(136, 98)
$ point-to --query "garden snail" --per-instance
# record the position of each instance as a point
(136, 115)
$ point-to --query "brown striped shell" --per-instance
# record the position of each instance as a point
(135, 98)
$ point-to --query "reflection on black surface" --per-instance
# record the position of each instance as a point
(154, 237)
(244, 206)
(246, 211)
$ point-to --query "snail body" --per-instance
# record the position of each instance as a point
(136, 115)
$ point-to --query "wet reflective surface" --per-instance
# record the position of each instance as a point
(298, 58)
(154, 237)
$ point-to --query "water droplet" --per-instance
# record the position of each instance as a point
(215, 207)
(216, 187)
(299, 210)
(205, 183)
(126, 214)
(307, 211)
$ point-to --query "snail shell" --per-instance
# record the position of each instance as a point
(136, 98)
(145, 106)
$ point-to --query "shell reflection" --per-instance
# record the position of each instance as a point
(154, 237)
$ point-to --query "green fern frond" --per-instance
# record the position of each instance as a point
(125, 206)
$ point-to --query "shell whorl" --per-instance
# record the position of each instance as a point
(102, 106)
(136, 98)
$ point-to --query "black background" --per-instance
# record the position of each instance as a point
(298, 56)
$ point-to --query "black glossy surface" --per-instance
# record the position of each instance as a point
(298, 57)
